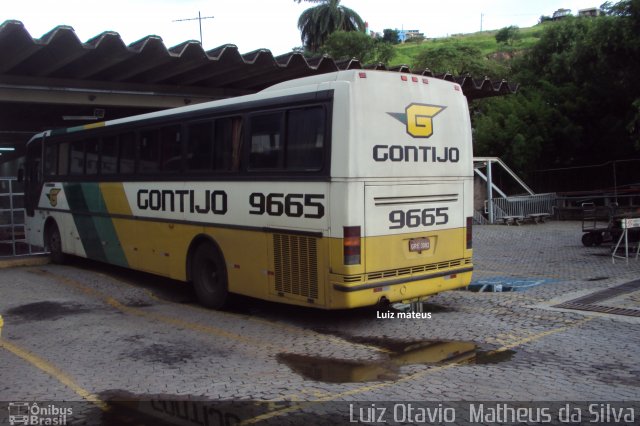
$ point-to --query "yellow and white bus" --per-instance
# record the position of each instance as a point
(333, 191)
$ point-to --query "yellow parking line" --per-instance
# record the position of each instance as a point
(53, 371)
(333, 397)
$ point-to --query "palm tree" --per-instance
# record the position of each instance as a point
(318, 22)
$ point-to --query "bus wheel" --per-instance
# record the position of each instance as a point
(53, 243)
(209, 276)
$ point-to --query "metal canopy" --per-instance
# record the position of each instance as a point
(48, 80)
(105, 59)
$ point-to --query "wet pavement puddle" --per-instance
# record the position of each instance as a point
(597, 278)
(46, 311)
(399, 354)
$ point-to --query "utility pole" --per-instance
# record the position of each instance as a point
(199, 18)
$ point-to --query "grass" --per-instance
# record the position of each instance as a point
(485, 41)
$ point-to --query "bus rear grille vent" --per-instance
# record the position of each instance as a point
(296, 265)
(416, 269)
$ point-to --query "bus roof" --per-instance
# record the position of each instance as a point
(292, 84)
(311, 82)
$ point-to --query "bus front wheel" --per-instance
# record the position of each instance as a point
(53, 243)
(209, 276)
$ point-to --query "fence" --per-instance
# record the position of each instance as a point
(524, 206)
(12, 220)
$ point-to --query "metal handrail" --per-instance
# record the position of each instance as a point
(14, 234)
(524, 206)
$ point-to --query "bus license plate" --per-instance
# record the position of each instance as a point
(419, 244)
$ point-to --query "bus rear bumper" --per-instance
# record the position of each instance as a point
(344, 296)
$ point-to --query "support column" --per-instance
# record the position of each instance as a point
(490, 192)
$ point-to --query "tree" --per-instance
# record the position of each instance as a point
(317, 23)
(519, 129)
(344, 45)
(385, 52)
(391, 36)
(507, 35)
(579, 101)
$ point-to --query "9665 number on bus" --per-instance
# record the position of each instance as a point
(415, 218)
(291, 205)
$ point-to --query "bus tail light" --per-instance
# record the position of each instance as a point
(352, 243)
(469, 233)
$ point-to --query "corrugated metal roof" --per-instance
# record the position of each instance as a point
(105, 58)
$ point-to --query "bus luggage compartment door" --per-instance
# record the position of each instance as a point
(409, 225)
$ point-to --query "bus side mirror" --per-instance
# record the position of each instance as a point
(21, 174)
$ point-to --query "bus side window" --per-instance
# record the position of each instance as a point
(50, 159)
(266, 141)
(149, 151)
(63, 159)
(305, 139)
(200, 146)
(109, 158)
(77, 158)
(236, 142)
(227, 148)
(127, 153)
(171, 150)
(91, 156)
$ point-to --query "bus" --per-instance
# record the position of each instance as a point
(333, 191)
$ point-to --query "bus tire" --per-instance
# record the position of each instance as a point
(209, 275)
(53, 243)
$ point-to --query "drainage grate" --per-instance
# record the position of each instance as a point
(589, 302)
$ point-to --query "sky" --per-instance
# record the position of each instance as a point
(269, 24)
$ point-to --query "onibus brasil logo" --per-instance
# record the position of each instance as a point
(28, 414)
(418, 118)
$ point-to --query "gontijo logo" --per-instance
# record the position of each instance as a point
(53, 196)
(419, 119)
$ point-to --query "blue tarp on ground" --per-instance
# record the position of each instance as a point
(498, 284)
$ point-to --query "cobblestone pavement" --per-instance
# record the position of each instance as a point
(93, 334)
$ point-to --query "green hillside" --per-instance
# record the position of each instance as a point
(485, 41)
